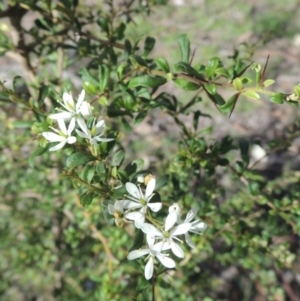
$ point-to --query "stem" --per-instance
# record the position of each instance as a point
(153, 287)
(73, 176)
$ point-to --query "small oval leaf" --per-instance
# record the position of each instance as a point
(77, 159)
(251, 94)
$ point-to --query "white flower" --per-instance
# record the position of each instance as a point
(73, 109)
(86, 110)
(137, 200)
(94, 134)
(197, 226)
(63, 135)
(152, 252)
(175, 208)
(168, 236)
(117, 210)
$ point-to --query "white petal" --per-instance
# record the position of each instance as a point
(181, 229)
(176, 249)
(175, 207)
(83, 126)
(151, 230)
(149, 268)
(150, 187)
(199, 227)
(189, 241)
(140, 221)
(62, 126)
(161, 246)
(99, 126)
(80, 100)
(62, 115)
(71, 140)
(119, 206)
(191, 214)
(137, 253)
(150, 240)
(103, 139)
(132, 205)
(111, 209)
(85, 109)
(170, 220)
(58, 146)
(134, 215)
(68, 100)
(155, 206)
(71, 126)
(166, 261)
(52, 137)
(82, 135)
(133, 190)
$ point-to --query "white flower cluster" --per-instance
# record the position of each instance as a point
(76, 113)
(160, 238)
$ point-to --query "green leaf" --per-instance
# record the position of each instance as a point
(103, 101)
(211, 88)
(239, 167)
(87, 173)
(146, 81)
(119, 32)
(120, 70)
(39, 151)
(139, 118)
(222, 71)
(4, 96)
(277, 98)
(186, 68)
(101, 170)
(186, 84)
(244, 149)
(254, 187)
(212, 66)
(77, 159)
(148, 46)
(138, 240)
(251, 94)
(216, 98)
(104, 24)
(162, 64)
(137, 60)
(43, 92)
(237, 84)
(118, 158)
(230, 104)
(91, 89)
(86, 198)
(134, 167)
(103, 77)
(44, 23)
(139, 163)
(17, 81)
(161, 182)
(222, 161)
(184, 46)
(118, 193)
(128, 47)
(112, 112)
(90, 83)
(268, 82)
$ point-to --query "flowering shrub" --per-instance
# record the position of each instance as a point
(176, 219)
